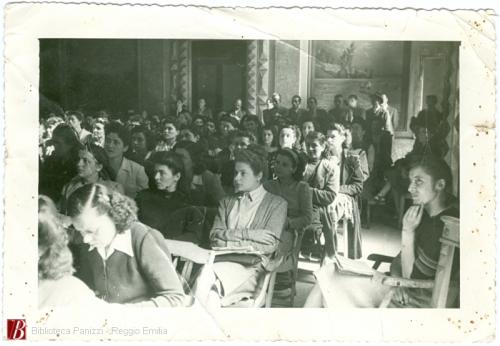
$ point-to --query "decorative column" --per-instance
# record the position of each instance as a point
(252, 71)
(451, 108)
(180, 71)
(263, 77)
(257, 76)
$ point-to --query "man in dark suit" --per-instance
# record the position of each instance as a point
(338, 110)
(353, 111)
(316, 115)
(277, 115)
(295, 113)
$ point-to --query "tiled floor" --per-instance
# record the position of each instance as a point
(380, 238)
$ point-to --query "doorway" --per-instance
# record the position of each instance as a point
(218, 73)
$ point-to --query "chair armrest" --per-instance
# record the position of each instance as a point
(379, 259)
(402, 282)
(188, 250)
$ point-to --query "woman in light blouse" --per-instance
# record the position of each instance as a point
(130, 174)
(252, 217)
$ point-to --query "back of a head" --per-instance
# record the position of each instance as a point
(54, 257)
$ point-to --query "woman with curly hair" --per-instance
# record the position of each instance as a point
(56, 284)
(322, 173)
(288, 169)
(352, 175)
(121, 259)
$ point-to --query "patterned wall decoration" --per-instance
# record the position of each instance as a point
(184, 59)
(452, 108)
(180, 71)
(174, 69)
(252, 76)
(263, 76)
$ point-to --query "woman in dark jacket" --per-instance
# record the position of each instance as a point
(166, 207)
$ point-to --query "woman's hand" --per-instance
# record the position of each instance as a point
(412, 218)
(400, 296)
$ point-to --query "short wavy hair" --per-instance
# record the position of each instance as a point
(256, 157)
(54, 257)
(121, 209)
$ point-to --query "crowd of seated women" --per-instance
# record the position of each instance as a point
(113, 188)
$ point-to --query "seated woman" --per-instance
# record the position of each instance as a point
(130, 174)
(93, 167)
(56, 284)
(322, 173)
(250, 218)
(352, 175)
(397, 176)
(306, 127)
(166, 207)
(269, 139)
(60, 167)
(290, 137)
(141, 144)
(288, 184)
(251, 123)
(430, 183)
(121, 259)
(205, 188)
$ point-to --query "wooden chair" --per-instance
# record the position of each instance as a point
(191, 253)
(450, 241)
(289, 264)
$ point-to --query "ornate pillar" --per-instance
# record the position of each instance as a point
(180, 71)
(257, 76)
(451, 108)
(263, 77)
(252, 71)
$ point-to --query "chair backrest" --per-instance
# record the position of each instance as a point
(450, 240)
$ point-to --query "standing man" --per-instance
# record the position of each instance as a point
(238, 112)
(353, 111)
(393, 112)
(316, 115)
(338, 110)
(295, 113)
(383, 125)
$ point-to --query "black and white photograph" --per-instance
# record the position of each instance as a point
(306, 167)
(218, 169)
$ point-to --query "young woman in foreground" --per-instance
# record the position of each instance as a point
(430, 181)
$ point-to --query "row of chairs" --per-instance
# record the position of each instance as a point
(188, 256)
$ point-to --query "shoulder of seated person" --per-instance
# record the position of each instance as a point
(331, 163)
(134, 164)
(276, 198)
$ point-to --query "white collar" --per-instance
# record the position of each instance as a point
(122, 242)
(257, 193)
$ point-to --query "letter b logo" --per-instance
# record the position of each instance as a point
(16, 329)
